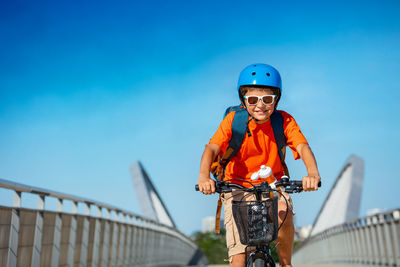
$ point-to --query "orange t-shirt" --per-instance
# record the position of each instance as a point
(258, 149)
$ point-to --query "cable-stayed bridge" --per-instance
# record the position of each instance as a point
(104, 235)
(339, 236)
(369, 241)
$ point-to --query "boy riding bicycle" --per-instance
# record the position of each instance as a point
(259, 90)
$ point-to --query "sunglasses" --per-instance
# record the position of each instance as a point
(266, 99)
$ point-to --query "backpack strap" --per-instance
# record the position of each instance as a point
(280, 138)
(217, 229)
(239, 129)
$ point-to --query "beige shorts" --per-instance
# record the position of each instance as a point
(232, 234)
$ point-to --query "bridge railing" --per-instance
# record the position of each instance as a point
(41, 237)
(373, 240)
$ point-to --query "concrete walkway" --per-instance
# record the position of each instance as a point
(327, 265)
(301, 265)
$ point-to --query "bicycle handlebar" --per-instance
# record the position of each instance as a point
(290, 186)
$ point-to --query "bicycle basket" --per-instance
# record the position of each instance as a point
(257, 221)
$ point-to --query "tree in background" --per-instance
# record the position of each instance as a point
(213, 246)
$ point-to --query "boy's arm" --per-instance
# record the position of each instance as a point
(206, 184)
(310, 182)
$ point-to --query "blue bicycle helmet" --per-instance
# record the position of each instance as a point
(262, 75)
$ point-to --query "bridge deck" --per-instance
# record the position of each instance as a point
(327, 265)
(302, 265)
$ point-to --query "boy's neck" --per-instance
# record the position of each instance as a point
(260, 122)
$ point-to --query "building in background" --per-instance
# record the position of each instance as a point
(208, 224)
(301, 233)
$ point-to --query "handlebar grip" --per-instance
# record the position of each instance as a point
(196, 187)
(300, 183)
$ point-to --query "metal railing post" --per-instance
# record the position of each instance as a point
(127, 250)
(395, 226)
(370, 241)
(13, 236)
(72, 235)
(382, 240)
(121, 241)
(55, 250)
(114, 242)
(364, 241)
(106, 240)
(38, 229)
(95, 246)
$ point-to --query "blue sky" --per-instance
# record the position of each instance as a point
(87, 88)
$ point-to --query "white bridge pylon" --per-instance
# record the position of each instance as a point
(343, 201)
(150, 201)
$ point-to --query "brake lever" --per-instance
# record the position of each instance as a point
(293, 189)
(221, 187)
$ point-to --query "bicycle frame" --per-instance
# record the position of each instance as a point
(261, 251)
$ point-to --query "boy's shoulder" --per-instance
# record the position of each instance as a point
(234, 109)
(231, 112)
(228, 117)
(285, 115)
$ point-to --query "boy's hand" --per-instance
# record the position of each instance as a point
(310, 182)
(206, 185)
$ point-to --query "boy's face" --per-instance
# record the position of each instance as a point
(260, 110)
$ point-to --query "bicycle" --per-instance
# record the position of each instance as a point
(257, 221)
